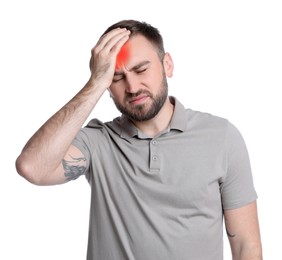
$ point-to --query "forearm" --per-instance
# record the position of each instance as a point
(242, 228)
(46, 149)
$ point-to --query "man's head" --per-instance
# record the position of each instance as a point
(139, 88)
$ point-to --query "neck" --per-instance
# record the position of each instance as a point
(159, 123)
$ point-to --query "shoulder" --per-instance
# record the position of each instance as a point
(93, 129)
(214, 126)
(95, 123)
(96, 126)
(197, 120)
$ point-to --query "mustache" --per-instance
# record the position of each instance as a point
(139, 92)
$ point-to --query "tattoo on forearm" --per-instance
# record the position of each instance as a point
(74, 168)
(229, 234)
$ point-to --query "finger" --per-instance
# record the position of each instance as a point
(109, 42)
(106, 37)
(118, 45)
(110, 53)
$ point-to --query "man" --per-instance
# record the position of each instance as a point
(162, 176)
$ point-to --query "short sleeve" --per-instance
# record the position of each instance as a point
(81, 141)
(237, 188)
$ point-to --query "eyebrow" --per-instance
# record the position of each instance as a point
(136, 67)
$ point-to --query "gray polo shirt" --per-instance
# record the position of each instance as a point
(163, 198)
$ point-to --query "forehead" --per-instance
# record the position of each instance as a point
(139, 42)
(136, 49)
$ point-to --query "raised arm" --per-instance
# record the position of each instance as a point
(242, 228)
(48, 157)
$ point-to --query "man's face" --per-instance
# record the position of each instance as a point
(139, 88)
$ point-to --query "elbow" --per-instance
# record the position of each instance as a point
(27, 171)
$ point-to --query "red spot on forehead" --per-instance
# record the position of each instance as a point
(122, 56)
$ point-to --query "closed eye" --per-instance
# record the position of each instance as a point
(140, 71)
(118, 78)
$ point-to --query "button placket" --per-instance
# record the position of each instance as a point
(154, 159)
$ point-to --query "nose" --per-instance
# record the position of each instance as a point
(132, 84)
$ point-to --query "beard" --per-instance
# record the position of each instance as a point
(144, 112)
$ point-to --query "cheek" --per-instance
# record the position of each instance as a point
(115, 91)
(155, 77)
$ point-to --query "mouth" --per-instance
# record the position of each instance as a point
(139, 99)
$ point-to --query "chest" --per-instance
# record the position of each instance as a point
(181, 170)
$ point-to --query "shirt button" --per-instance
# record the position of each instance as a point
(155, 158)
(154, 142)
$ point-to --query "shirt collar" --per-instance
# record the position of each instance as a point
(178, 121)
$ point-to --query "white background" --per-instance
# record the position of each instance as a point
(228, 62)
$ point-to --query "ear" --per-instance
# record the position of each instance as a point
(168, 65)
